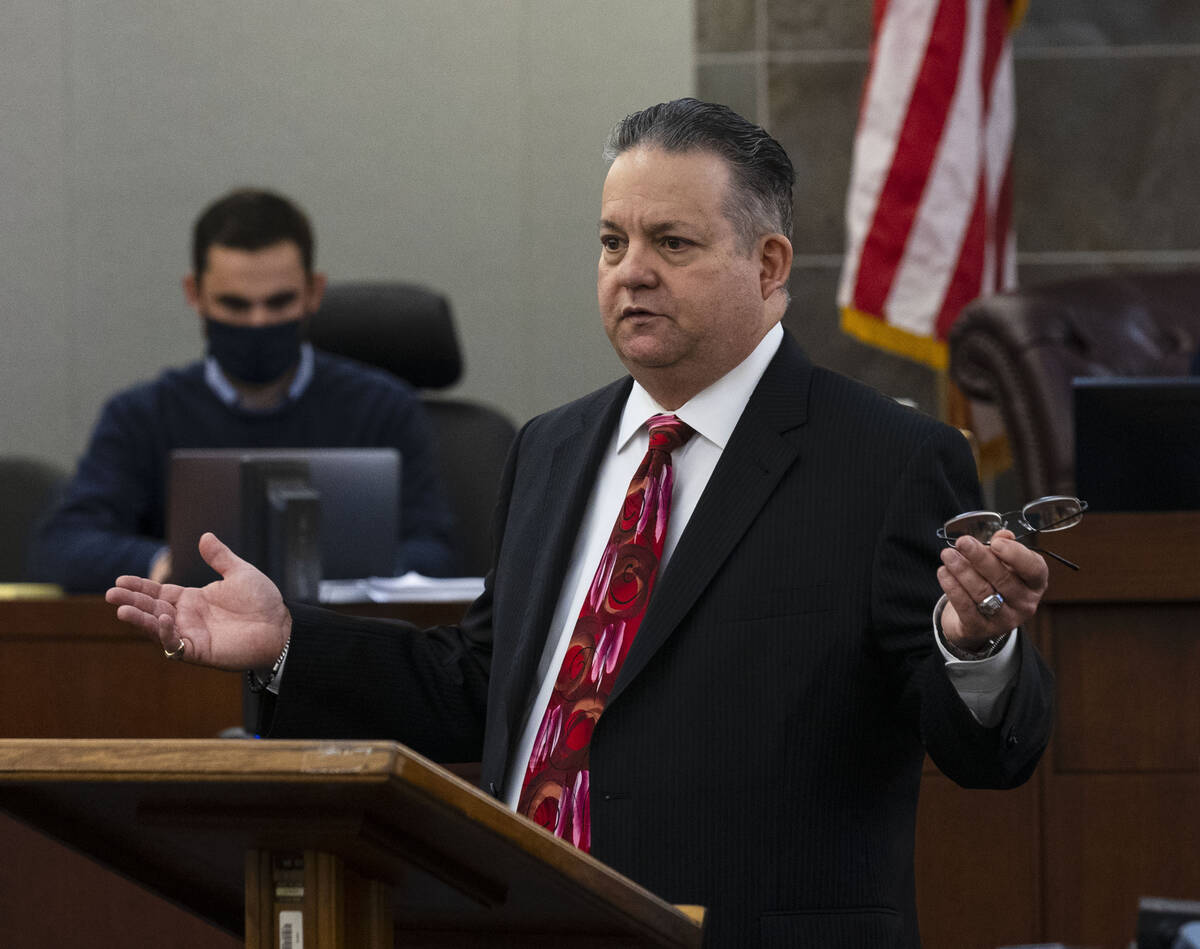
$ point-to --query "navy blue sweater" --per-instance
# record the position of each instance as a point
(112, 519)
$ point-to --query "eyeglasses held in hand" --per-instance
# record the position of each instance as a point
(1054, 513)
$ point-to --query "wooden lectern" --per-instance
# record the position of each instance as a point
(329, 845)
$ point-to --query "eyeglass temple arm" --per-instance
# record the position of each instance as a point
(1033, 545)
(1051, 553)
(1033, 534)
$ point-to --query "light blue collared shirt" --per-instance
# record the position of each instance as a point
(224, 390)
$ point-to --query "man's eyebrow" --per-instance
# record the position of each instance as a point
(282, 298)
(663, 227)
(660, 227)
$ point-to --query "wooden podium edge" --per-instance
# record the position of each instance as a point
(371, 762)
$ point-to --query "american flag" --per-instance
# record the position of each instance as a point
(928, 213)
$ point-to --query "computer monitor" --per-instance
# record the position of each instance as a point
(1167, 923)
(1137, 442)
(298, 514)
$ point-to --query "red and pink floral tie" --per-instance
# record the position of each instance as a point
(555, 791)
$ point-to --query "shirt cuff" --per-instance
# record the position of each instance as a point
(984, 685)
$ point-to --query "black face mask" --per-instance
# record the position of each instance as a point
(255, 354)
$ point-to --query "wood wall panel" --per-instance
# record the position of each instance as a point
(70, 669)
(1128, 687)
(1111, 839)
(1121, 780)
(978, 862)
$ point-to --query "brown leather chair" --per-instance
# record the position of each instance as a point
(1020, 351)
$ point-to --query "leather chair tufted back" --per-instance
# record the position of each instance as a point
(1020, 351)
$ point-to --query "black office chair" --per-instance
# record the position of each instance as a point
(27, 489)
(409, 331)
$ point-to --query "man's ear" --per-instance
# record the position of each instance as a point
(775, 258)
(191, 291)
(316, 290)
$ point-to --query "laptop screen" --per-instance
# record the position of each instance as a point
(1137, 442)
(348, 500)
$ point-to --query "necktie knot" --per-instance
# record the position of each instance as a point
(668, 432)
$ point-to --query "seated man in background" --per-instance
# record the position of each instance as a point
(259, 386)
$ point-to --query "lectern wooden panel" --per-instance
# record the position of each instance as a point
(453, 866)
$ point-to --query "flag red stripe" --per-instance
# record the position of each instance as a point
(995, 31)
(878, 13)
(1002, 225)
(915, 151)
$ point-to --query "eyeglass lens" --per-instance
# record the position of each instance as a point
(981, 525)
(1055, 513)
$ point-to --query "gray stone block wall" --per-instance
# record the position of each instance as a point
(1106, 157)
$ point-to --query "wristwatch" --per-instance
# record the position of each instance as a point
(990, 648)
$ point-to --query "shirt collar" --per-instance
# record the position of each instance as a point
(713, 412)
(224, 390)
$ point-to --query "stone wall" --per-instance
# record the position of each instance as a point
(1106, 159)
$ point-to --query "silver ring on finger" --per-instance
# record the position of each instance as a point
(989, 606)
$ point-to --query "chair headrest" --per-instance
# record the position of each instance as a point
(400, 327)
(1125, 324)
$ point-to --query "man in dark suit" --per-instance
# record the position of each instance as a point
(761, 748)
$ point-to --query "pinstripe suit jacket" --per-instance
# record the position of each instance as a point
(761, 751)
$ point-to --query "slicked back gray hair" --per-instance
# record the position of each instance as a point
(761, 174)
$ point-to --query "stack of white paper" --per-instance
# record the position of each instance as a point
(410, 588)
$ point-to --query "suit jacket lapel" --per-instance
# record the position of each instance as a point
(756, 458)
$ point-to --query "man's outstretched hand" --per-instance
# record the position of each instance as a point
(237, 622)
